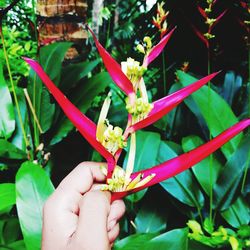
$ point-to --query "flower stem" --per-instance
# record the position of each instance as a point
(245, 173)
(164, 74)
(210, 137)
(14, 91)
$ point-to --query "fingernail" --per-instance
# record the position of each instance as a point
(111, 224)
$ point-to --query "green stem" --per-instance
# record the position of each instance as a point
(245, 173)
(164, 74)
(210, 137)
(14, 91)
(36, 131)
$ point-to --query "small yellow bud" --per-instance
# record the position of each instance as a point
(148, 41)
(234, 243)
(140, 48)
(195, 226)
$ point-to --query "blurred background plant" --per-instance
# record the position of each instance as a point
(198, 209)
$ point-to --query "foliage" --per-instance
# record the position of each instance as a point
(205, 207)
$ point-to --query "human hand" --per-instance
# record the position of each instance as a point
(79, 217)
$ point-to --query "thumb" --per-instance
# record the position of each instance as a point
(91, 231)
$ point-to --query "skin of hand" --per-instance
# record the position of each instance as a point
(78, 216)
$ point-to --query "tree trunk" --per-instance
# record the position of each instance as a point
(62, 20)
(97, 6)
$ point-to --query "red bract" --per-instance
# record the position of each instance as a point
(85, 126)
(157, 49)
(114, 69)
(167, 103)
(180, 163)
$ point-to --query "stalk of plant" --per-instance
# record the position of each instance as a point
(109, 140)
(3, 13)
(161, 24)
(206, 38)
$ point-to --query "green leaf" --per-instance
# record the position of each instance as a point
(147, 146)
(229, 179)
(9, 151)
(232, 84)
(7, 195)
(201, 170)
(149, 219)
(172, 240)
(18, 245)
(82, 99)
(238, 213)
(11, 231)
(194, 245)
(132, 242)
(73, 73)
(182, 186)
(7, 116)
(220, 116)
(51, 58)
(33, 187)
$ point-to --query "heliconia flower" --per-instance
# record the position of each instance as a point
(211, 24)
(180, 163)
(114, 69)
(88, 128)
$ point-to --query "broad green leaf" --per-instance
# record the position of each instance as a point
(194, 245)
(132, 242)
(228, 181)
(147, 146)
(73, 73)
(201, 170)
(7, 195)
(17, 245)
(7, 116)
(172, 240)
(9, 151)
(11, 232)
(82, 99)
(232, 84)
(238, 213)
(149, 219)
(219, 117)
(182, 186)
(33, 187)
(51, 58)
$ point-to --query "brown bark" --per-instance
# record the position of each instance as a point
(62, 20)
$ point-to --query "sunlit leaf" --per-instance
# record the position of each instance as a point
(33, 187)
(219, 117)
(7, 116)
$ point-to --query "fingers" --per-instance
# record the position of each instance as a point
(82, 177)
(92, 222)
(60, 214)
(113, 234)
(117, 210)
